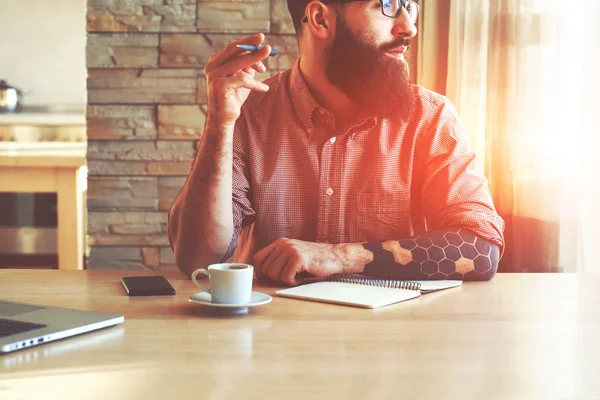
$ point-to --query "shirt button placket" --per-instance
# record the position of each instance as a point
(325, 200)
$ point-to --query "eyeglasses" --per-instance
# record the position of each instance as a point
(389, 8)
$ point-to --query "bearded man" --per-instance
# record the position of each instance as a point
(339, 165)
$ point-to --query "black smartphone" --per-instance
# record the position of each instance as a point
(147, 286)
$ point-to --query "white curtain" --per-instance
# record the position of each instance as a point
(524, 77)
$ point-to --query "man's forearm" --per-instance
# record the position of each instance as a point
(451, 253)
(201, 220)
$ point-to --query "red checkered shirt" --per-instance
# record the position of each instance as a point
(296, 175)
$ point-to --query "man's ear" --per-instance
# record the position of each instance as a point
(320, 19)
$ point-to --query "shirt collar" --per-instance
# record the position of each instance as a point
(304, 104)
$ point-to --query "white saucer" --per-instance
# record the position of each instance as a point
(256, 299)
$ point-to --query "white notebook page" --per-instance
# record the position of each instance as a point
(349, 294)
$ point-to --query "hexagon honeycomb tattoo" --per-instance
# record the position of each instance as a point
(452, 253)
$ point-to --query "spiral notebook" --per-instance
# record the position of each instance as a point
(363, 291)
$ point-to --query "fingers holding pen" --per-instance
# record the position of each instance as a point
(231, 76)
(231, 50)
(233, 58)
(239, 62)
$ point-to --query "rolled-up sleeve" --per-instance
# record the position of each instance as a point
(453, 192)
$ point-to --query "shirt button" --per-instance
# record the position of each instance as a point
(309, 131)
(329, 191)
(332, 140)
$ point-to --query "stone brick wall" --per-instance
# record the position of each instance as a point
(146, 110)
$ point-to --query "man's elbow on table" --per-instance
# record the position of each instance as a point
(192, 249)
(493, 260)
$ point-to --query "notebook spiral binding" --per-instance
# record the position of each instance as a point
(365, 280)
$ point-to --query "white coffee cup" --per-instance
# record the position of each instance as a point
(230, 283)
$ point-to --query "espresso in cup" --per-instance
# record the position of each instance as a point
(230, 283)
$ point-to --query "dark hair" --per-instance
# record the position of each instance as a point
(297, 11)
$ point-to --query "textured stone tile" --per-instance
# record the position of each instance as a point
(234, 16)
(168, 168)
(117, 168)
(288, 52)
(125, 258)
(216, 42)
(167, 256)
(201, 93)
(138, 168)
(180, 122)
(115, 258)
(151, 256)
(102, 222)
(129, 228)
(141, 15)
(99, 221)
(121, 122)
(127, 253)
(132, 240)
(149, 86)
(136, 229)
(168, 189)
(168, 267)
(122, 50)
(155, 217)
(167, 260)
(141, 150)
(281, 21)
(119, 193)
(185, 50)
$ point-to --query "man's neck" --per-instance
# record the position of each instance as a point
(325, 93)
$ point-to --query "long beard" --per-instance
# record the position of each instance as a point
(379, 84)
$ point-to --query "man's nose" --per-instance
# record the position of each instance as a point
(403, 25)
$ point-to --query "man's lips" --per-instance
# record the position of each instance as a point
(398, 50)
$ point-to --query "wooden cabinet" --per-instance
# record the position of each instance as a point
(35, 168)
(46, 152)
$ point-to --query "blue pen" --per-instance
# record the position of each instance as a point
(249, 47)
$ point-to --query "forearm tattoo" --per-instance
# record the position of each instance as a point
(451, 253)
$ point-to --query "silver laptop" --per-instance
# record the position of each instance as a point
(25, 325)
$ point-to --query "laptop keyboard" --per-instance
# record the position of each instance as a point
(10, 327)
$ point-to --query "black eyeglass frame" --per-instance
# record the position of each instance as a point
(403, 4)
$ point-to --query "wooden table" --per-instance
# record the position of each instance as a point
(517, 337)
(66, 176)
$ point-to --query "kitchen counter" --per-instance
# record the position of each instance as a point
(43, 149)
(45, 115)
(44, 124)
(42, 119)
(59, 167)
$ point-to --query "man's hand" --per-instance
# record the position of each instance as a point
(284, 259)
(230, 77)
